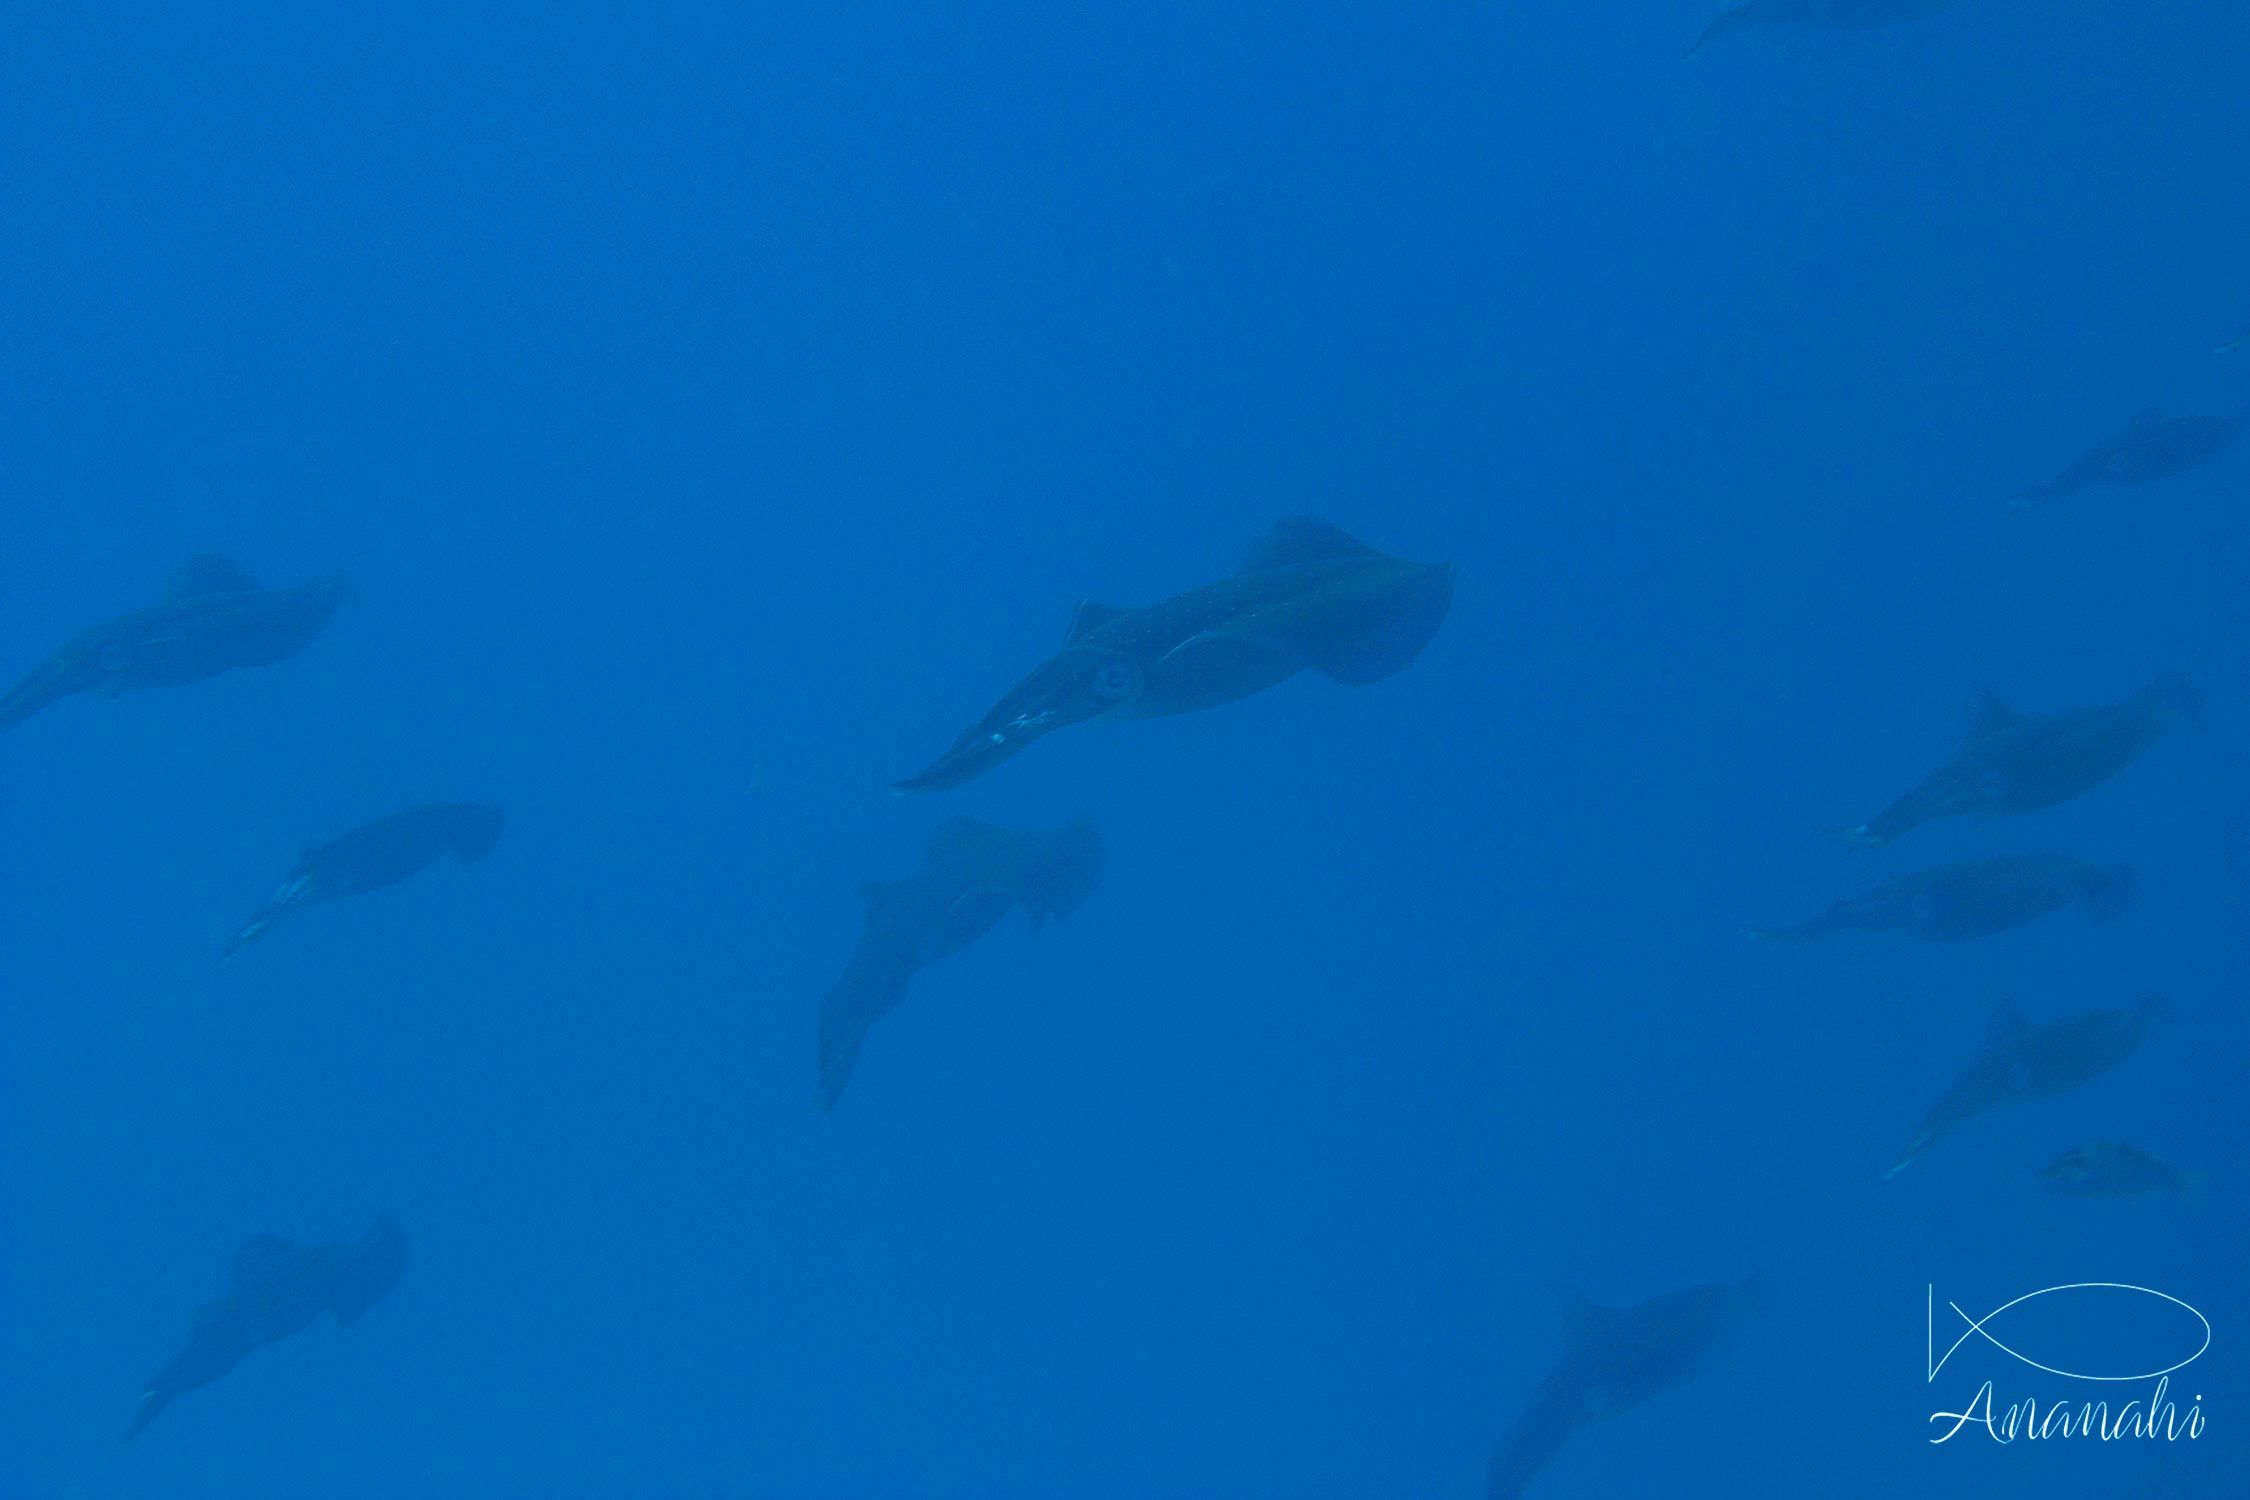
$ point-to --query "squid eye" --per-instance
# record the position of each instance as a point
(1114, 679)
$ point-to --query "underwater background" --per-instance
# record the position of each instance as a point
(716, 405)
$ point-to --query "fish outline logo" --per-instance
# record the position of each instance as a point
(1977, 1327)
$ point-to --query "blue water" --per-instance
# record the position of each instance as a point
(719, 408)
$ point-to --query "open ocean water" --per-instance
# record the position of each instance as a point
(715, 410)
